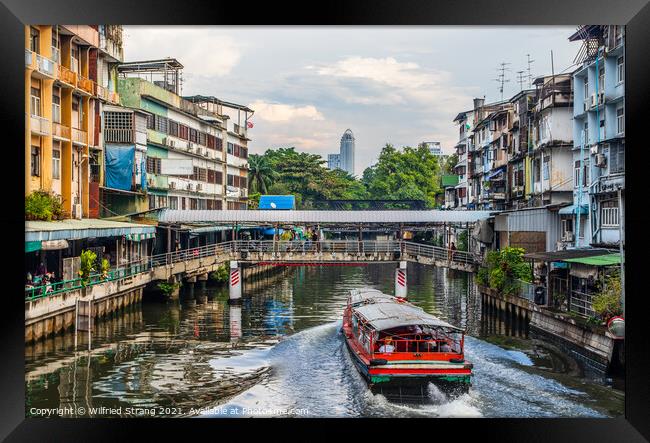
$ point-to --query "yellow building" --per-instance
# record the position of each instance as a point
(67, 79)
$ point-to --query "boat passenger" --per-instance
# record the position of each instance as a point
(445, 347)
(387, 347)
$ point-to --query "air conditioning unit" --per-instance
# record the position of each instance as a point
(593, 149)
(206, 153)
(593, 100)
(601, 161)
(199, 186)
(171, 143)
(77, 211)
(172, 185)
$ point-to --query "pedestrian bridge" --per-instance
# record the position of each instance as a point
(50, 308)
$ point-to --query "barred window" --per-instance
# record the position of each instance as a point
(153, 165)
(161, 124)
(609, 213)
(183, 132)
(173, 202)
(212, 177)
(210, 140)
(616, 159)
(118, 127)
(231, 148)
(218, 144)
(219, 177)
(173, 128)
(193, 135)
(203, 138)
(151, 122)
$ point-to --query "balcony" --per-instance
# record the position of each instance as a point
(40, 125)
(67, 76)
(86, 85)
(29, 59)
(101, 92)
(60, 131)
(88, 34)
(43, 67)
(79, 136)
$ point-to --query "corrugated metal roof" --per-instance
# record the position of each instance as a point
(368, 294)
(77, 229)
(322, 217)
(391, 315)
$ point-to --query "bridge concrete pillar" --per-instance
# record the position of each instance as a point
(400, 280)
(235, 282)
(203, 278)
(189, 290)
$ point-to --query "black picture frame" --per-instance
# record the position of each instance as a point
(633, 13)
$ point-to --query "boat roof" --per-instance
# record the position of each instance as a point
(368, 295)
(390, 315)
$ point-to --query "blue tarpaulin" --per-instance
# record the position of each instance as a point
(119, 166)
(277, 202)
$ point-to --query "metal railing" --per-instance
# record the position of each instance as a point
(526, 290)
(118, 273)
(343, 247)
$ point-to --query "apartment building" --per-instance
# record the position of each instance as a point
(599, 138)
(69, 76)
(196, 156)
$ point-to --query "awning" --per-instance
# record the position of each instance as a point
(573, 209)
(32, 246)
(496, 175)
(599, 260)
(73, 229)
(567, 254)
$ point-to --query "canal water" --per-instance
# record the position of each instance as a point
(281, 354)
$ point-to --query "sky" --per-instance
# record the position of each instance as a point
(398, 85)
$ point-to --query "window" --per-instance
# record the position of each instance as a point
(36, 161)
(35, 102)
(183, 131)
(586, 133)
(55, 46)
(576, 174)
(219, 144)
(173, 202)
(586, 89)
(231, 148)
(74, 57)
(601, 79)
(567, 226)
(620, 70)
(620, 120)
(618, 35)
(56, 163)
(153, 165)
(537, 164)
(193, 204)
(173, 128)
(162, 201)
(152, 201)
(118, 127)
(616, 159)
(56, 104)
(609, 213)
(546, 167)
(34, 38)
(202, 204)
(193, 135)
(203, 138)
(183, 203)
(161, 124)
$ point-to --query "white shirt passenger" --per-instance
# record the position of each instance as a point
(387, 348)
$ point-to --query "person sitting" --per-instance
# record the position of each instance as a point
(445, 347)
(387, 347)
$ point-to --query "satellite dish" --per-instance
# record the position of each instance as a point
(273, 205)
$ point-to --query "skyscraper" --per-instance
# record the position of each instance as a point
(347, 151)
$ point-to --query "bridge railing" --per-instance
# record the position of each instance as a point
(439, 253)
(322, 246)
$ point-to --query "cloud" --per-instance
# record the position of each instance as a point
(203, 51)
(275, 112)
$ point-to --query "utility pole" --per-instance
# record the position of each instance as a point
(501, 78)
(530, 75)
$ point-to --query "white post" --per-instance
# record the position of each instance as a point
(235, 281)
(400, 280)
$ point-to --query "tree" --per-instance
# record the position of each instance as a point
(410, 173)
(448, 166)
(260, 174)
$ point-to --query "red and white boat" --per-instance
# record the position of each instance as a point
(400, 349)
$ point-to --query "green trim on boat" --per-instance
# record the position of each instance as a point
(379, 378)
(456, 378)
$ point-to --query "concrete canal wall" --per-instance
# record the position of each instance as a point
(591, 347)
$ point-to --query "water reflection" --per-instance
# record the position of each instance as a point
(281, 348)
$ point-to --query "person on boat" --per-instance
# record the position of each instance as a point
(387, 347)
(445, 347)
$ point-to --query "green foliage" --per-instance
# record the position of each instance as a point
(260, 174)
(502, 269)
(410, 173)
(106, 267)
(462, 241)
(608, 302)
(448, 166)
(254, 200)
(87, 266)
(168, 288)
(221, 274)
(42, 205)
